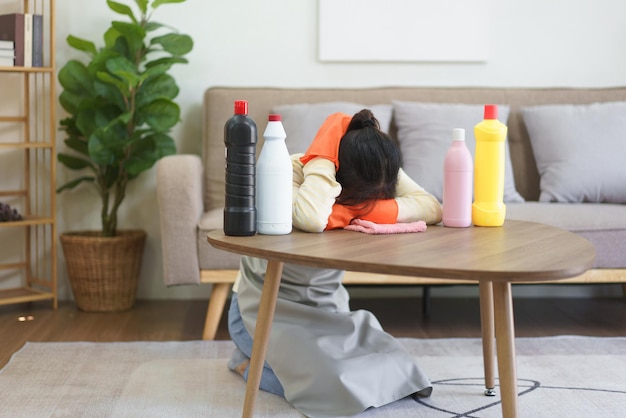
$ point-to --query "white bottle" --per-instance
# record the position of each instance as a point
(274, 181)
(457, 183)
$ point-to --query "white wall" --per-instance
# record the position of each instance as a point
(534, 43)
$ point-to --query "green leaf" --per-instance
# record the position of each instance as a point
(157, 3)
(107, 78)
(124, 69)
(77, 145)
(131, 30)
(75, 78)
(167, 60)
(161, 114)
(155, 71)
(152, 26)
(162, 86)
(95, 115)
(104, 148)
(73, 163)
(110, 37)
(69, 126)
(121, 119)
(81, 44)
(111, 94)
(120, 65)
(174, 43)
(74, 183)
(115, 130)
(133, 33)
(99, 61)
(122, 9)
(70, 101)
(148, 151)
(143, 5)
(86, 119)
(123, 48)
(163, 145)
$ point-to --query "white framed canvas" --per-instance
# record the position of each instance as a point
(403, 30)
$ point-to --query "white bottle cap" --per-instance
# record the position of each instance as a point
(458, 134)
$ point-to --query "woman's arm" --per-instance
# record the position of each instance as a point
(314, 191)
(327, 139)
(415, 203)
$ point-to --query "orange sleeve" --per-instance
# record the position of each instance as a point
(326, 141)
(384, 212)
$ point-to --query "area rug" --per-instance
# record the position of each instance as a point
(557, 377)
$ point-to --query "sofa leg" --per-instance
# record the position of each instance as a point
(219, 294)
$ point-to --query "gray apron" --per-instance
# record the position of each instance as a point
(330, 361)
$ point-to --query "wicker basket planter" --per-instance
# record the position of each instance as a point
(103, 271)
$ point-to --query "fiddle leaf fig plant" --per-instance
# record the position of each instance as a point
(120, 103)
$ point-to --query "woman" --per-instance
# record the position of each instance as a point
(324, 359)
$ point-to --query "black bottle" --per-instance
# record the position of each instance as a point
(240, 138)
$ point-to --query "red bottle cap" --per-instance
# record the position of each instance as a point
(491, 111)
(274, 118)
(241, 107)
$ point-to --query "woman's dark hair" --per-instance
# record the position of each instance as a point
(369, 161)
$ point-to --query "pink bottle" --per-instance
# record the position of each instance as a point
(457, 183)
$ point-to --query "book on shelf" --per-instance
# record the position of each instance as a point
(7, 53)
(6, 61)
(12, 29)
(37, 40)
(6, 44)
(28, 40)
(23, 32)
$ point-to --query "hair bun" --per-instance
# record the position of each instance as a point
(363, 119)
(368, 123)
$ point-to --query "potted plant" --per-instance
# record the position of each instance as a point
(120, 107)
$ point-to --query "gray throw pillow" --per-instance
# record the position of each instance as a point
(302, 121)
(425, 134)
(580, 151)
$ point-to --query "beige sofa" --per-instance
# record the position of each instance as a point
(191, 188)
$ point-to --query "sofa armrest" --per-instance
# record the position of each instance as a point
(179, 196)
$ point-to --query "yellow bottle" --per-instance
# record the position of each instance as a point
(488, 208)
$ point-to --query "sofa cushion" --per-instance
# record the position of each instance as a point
(603, 224)
(579, 151)
(302, 121)
(425, 134)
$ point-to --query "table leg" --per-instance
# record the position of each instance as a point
(265, 317)
(487, 327)
(505, 345)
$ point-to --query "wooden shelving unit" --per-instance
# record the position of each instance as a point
(28, 249)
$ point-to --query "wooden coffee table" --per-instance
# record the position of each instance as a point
(494, 257)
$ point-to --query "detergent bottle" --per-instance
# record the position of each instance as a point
(274, 181)
(457, 183)
(488, 208)
(240, 138)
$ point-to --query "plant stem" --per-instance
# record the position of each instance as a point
(106, 224)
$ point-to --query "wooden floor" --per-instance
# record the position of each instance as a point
(183, 320)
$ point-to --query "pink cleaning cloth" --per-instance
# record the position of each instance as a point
(361, 225)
